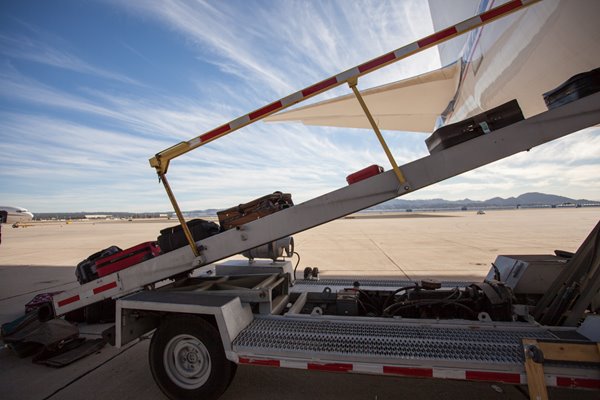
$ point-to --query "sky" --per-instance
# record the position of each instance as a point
(89, 91)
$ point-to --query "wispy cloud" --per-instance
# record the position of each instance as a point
(86, 146)
(31, 49)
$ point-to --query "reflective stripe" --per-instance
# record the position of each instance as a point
(252, 361)
(215, 132)
(319, 86)
(503, 9)
(562, 381)
(104, 288)
(335, 367)
(265, 110)
(68, 300)
(404, 371)
(436, 37)
(493, 376)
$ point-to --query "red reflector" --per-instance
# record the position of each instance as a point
(492, 376)
(106, 287)
(376, 62)
(215, 132)
(437, 37)
(420, 372)
(503, 9)
(268, 363)
(335, 367)
(265, 110)
(319, 86)
(68, 300)
(578, 382)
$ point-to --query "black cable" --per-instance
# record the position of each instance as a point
(392, 295)
(297, 263)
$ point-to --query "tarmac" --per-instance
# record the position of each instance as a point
(40, 257)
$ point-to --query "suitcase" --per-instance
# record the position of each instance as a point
(364, 174)
(486, 122)
(126, 258)
(253, 210)
(174, 238)
(86, 270)
(574, 88)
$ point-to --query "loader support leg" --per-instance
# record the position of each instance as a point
(388, 153)
(186, 229)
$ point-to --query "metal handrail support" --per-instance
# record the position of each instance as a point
(352, 83)
(184, 226)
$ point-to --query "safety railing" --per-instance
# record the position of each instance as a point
(161, 160)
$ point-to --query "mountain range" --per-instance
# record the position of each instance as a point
(527, 200)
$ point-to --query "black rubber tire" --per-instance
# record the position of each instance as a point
(221, 370)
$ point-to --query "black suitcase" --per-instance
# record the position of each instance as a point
(253, 210)
(574, 88)
(173, 238)
(486, 122)
(86, 270)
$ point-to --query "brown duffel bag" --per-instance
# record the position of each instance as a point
(253, 210)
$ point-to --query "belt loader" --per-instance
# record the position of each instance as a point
(525, 324)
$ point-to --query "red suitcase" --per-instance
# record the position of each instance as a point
(127, 258)
(364, 174)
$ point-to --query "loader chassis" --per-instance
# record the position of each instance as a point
(207, 318)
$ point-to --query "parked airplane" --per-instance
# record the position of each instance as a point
(11, 215)
(521, 56)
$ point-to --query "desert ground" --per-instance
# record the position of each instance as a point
(41, 257)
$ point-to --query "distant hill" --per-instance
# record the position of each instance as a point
(527, 200)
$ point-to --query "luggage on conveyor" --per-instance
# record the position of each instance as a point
(86, 270)
(126, 258)
(574, 88)
(486, 122)
(174, 238)
(364, 173)
(253, 210)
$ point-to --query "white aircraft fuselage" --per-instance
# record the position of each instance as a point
(520, 56)
(16, 214)
(525, 55)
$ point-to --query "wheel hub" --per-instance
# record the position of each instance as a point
(187, 361)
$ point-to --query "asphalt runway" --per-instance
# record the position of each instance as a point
(41, 258)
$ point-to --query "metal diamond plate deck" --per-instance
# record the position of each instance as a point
(389, 341)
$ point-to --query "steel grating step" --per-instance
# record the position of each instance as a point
(393, 342)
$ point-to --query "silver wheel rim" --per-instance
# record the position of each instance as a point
(187, 361)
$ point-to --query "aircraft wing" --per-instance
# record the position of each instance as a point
(411, 104)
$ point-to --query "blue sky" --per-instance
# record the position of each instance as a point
(89, 91)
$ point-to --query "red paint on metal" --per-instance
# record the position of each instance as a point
(419, 372)
(377, 62)
(268, 363)
(492, 376)
(578, 382)
(319, 86)
(68, 300)
(436, 37)
(265, 110)
(214, 133)
(503, 9)
(334, 367)
(104, 288)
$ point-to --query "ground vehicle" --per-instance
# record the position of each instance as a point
(194, 357)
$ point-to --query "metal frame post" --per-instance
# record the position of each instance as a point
(352, 83)
(186, 229)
